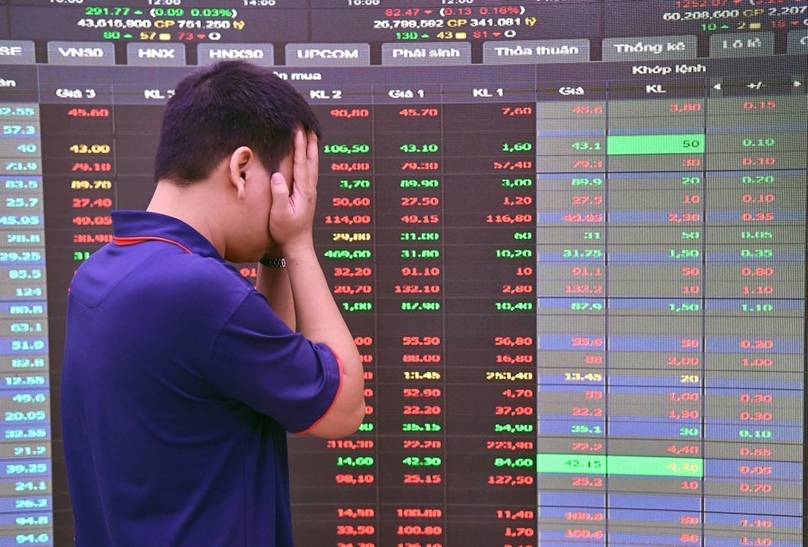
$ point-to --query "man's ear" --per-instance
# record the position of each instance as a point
(239, 165)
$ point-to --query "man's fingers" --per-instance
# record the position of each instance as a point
(280, 192)
(300, 167)
(313, 157)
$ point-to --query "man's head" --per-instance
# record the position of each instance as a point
(225, 131)
(219, 108)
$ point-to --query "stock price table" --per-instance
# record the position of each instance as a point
(578, 294)
(581, 318)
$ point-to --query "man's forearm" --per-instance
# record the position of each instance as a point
(320, 320)
(274, 284)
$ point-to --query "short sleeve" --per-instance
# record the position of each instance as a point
(259, 361)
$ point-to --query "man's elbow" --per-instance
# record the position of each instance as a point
(340, 424)
(354, 420)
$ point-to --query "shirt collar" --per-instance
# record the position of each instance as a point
(137, 224)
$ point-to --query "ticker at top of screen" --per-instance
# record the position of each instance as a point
(169, 45)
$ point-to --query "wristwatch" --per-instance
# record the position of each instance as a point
(272, 262)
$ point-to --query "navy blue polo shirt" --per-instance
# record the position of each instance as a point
(179, 384)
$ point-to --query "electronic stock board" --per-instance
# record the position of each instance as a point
(568, 236)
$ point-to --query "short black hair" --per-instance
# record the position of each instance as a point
(218, 108)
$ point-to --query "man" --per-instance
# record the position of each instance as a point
(180, 380)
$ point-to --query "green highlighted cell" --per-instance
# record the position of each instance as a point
(659, 466)
(622, 145)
